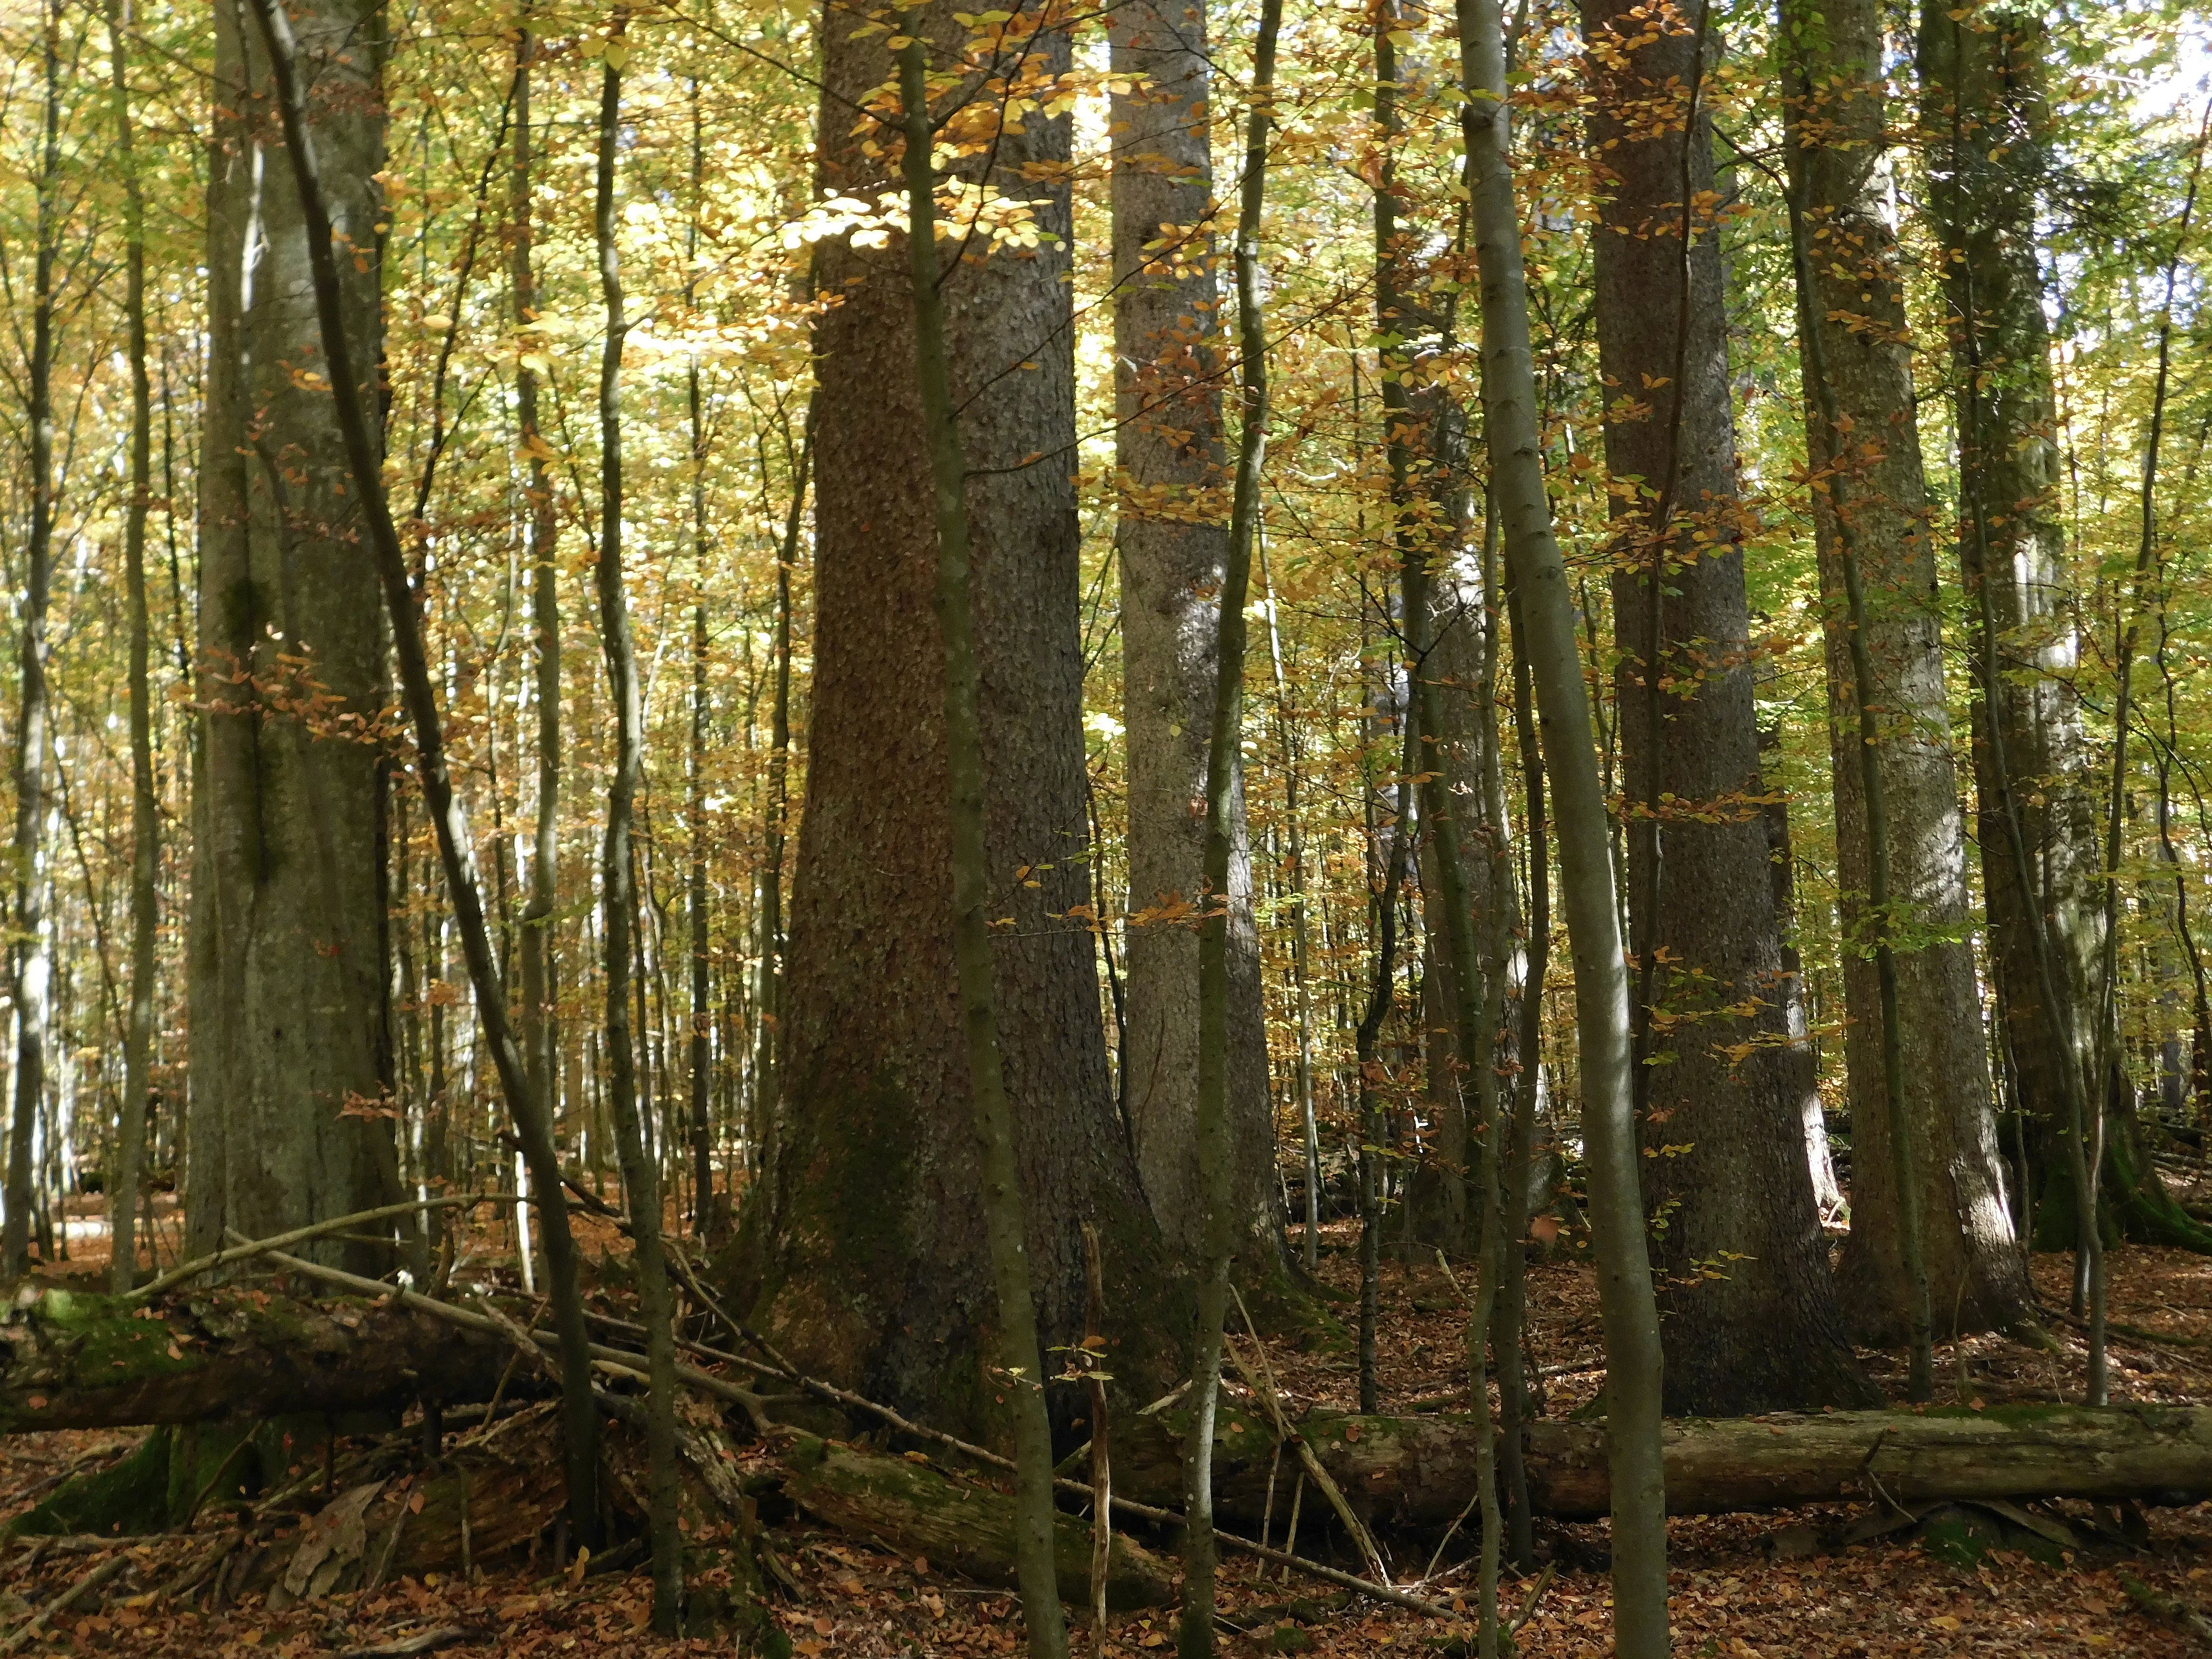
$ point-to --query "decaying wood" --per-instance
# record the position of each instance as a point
(1420, 1471)
(960, 1524)
(70, 1360)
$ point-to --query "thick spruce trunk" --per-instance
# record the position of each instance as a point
(1751, 1319)
(1171, 537)
(863, 1252)
(287, 945)
(1834, 156)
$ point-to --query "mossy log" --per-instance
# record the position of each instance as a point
(917, 1510)
(69, 1360)
(1420, 1471)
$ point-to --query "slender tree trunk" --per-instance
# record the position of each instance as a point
(618, 884)
(1020, 1370)
(31, 963)
(1301, 949)
(1753, 1322)
(1216, 949)
(1833, 112)
(539, 958)
(1633, 1362)
(696, 918)
(358, 435)
(768, 1009)
(127, 1172)
(1172, 551)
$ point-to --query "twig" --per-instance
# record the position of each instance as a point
(249, 1247)
(69, 1598)
(833, 1395)
(475, 1319)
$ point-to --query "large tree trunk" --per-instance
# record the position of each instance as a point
(962, 1525)
(1974, 1272)
(1412, 1471)
(289, 1045)
(1983, 93)
(1171, 539)
(73, 1361)
(863, 1251)
(1751, 1319)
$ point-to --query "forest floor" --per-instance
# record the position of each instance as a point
(1744, 1587)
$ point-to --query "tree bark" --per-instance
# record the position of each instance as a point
(539, 961)
(1752, 1318)
(286, 969)
(1834, 155)
(125, 1180)
(618, 881)
(957, 1524)
(1419, 1471)
(1172, 542)
(1020, 1370)
(74, 1361)
(862, 1253)
(30, 959)
(1588, 878)
(1983, 99)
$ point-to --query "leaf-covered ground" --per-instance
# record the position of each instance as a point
(1745, 1586)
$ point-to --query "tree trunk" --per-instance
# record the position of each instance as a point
(1588, 878)
(125, 1178)
(287, 1006)
(1753, 1322)
(957, 1524)
(73, 1361)
(1419, 1471)
(540, 1026)
(863, 1254)
(1171, 542)
(1982, 90)
(30, 960)
(1835, 161)
(618, 885)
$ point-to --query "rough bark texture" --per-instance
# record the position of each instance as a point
(957, 1523)
(73, 1361)
(1171, 537)
(1983, 96)
(1420, 1471)
(289, 1017)
(1974, 1273)
(863, 1252)
(1751, 1319)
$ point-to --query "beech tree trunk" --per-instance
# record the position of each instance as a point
(291, 1049)
(1752, 1320)
(862, 1251)
(1975, 1276)
(1983, 102)
(1171, 539)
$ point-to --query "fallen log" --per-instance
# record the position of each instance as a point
(1415, 1471)
(959, 1524)
(69, 1360)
